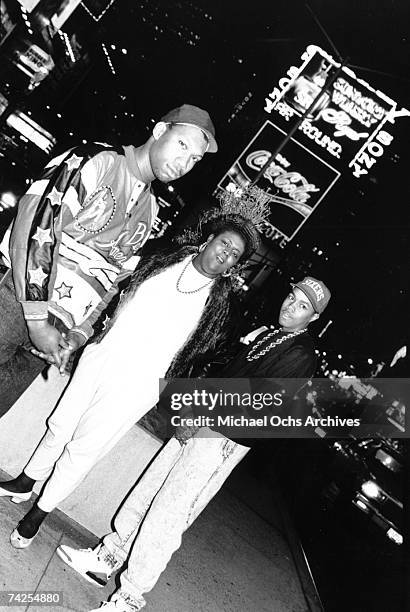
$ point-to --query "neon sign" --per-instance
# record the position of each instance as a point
(296, 180)
(351, 122)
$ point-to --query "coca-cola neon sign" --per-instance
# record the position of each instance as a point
(296, 180)
(293, 184)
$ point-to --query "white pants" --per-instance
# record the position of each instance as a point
(177, 486)
(96, 410)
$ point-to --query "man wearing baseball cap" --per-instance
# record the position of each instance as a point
(287, 351)
(316, 291)
(194, 116)
(76, 236)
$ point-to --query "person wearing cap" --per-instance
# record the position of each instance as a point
(76, 236)
(192, 467)
(288, 351)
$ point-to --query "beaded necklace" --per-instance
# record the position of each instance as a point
(182, 274)
(253, 355)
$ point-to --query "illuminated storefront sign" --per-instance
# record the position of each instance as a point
(30, 130)
(350, 123)
(61, 14)
(297, 180)
(33, 61)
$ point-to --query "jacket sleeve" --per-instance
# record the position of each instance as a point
(36, 234)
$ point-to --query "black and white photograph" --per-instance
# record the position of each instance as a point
(204, 292)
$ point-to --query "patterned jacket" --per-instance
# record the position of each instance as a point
(77, 232)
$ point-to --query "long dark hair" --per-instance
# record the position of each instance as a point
(214, 316)
(210, 328)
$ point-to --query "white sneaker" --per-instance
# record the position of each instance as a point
(87, 562)
(19, 541)
(117, 604)
(17, 498)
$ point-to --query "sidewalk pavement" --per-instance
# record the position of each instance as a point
(231, 560)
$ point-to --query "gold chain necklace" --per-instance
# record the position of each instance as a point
(251, 356)
(182, 274)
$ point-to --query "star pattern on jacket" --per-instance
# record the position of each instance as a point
(55, 197)
(64, 291)
(73, 162)
(37, 276)
(57, 191)
(42, 236)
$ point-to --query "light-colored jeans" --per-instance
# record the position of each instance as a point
(94, 413)
(177, 486)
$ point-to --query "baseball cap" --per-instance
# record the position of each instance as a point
(193, 115)
(316, 291)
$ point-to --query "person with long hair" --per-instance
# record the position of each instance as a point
(175, 309)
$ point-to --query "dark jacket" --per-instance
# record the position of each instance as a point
(294, 358)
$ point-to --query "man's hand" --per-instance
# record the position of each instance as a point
(184, 432)
(47, 340)
(74, 341)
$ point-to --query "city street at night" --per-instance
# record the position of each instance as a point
(214, 195)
